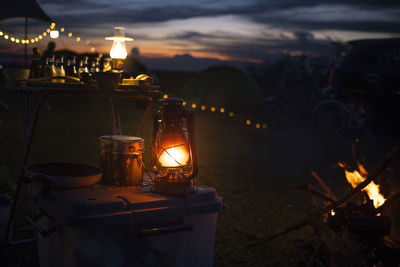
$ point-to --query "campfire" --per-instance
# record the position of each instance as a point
(357, 177)
(348, 231)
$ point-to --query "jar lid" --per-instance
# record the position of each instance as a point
(123, 144)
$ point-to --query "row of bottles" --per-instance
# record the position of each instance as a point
(53, 66)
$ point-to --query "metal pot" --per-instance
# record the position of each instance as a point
(61, 175)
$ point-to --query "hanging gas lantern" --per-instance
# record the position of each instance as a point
(174, 159)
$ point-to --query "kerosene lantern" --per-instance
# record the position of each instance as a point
(118, 50)
(174, 158)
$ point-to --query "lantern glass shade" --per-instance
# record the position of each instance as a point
(118, 49)
(172, 152)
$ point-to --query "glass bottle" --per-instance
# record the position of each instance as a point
(95, 66)
(83, 66)
(71, 69)
(48, 69)
(107, 64)
(35, 70)
(59, 69)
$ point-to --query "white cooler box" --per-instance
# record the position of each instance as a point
(126, 226)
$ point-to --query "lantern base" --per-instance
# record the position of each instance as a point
(174, 187)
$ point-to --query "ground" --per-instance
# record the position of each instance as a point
(250, 168)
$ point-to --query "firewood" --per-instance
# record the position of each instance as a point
(313, 216)
(323, 185)
(382, 166)
(313, 190)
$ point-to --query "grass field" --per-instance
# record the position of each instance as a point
(250, 168)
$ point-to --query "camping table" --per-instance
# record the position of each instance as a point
(36, 95)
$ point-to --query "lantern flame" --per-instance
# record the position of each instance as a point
(357, 177)
(174, 157)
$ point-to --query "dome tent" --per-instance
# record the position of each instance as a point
(223, 86)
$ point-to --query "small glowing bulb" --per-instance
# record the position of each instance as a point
(32, 40)
(17, 41)
(36, 39)
(23, 41)
(231, 114)
(333, 213)
(70, 34)
(48, 30)
(52, 25)
(54, 34)
(40, 37)
(212, 109)
(264, 126)
(165, 96)
(78, 39)
(6, 36)
(27, 41)
(194, 105)
(92, 49)
(222, 110)
(184, 103)
(248, 122)
(12, 39)
(203, 107)
(62, 29)
(258, 126)
(1, 33)
(45, 34)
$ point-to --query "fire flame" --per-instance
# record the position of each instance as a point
(357, 177)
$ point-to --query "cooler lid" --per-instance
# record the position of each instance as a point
(113, 205)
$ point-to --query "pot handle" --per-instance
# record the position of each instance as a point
(44, 232)
(165, 230)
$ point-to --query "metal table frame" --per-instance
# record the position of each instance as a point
(35, 97)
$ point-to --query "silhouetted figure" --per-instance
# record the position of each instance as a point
(49, 52)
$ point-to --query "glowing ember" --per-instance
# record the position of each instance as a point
(357, 177)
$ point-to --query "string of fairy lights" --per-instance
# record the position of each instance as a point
(51, 32)
(231, 114)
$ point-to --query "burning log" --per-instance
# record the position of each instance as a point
(314, 218)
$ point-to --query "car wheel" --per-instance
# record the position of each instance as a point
(331, 115)
(359, 113)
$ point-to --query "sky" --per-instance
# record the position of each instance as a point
(230, 30)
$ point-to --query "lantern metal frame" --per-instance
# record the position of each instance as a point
(171, 119)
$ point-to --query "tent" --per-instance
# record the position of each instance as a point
(25, 9)
(224, 86)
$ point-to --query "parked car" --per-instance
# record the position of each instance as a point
(368, 81)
